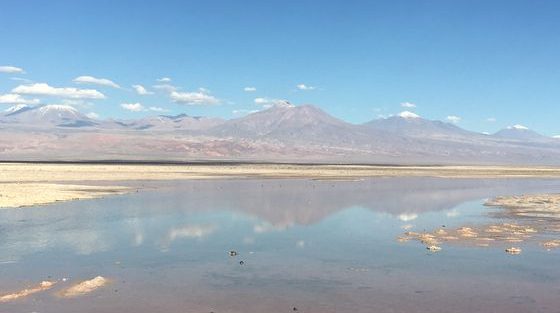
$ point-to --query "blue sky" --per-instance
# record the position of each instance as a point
(476, 60)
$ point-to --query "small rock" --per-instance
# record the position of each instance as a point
(513, 250)
(433, 248)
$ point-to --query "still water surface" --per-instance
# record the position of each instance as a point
(310, 246)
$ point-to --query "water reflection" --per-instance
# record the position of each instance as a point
(95, 226)
(325, 246)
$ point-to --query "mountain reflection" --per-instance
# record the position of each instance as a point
(170, 211)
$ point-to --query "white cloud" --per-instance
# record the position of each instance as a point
(408, 105)
(165, 87)
(191, 231)
(305, 87)
(96, 81)
(157, 109)
(268, 102)
(134, 107)
(11, 69)
(92, 115)
(250, 89)
(164, 80)
(454, 119)
(406, 217)
(42, 89)
(556, 136)
(141, 90)
(11, 98)
(408, 114)
(200, 97)
(491, 119)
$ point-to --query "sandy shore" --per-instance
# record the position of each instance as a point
(25, 184)
(13, 195)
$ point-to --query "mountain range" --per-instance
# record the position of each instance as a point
(282, 133)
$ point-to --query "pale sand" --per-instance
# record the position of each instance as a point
(13, 195)
(84, 287)
(538, 213)
(45, 285)
(532, 206)
(46, 183)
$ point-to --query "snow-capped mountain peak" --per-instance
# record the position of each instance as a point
(408, 115)
(59, 108)
(518, 127)
(16, 108)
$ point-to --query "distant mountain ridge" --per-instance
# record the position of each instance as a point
(52, 115)
(281, 133)
(410, 124)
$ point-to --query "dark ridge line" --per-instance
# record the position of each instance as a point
(207, 162)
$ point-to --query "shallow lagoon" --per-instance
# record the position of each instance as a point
(317, 246)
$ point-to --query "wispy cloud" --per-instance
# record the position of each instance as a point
(250, 89)
(11, 69)
(408, 105)
(20, 79)
(42, 89)
(141, 90)
(165, 87)
(92, 115)
(454, 119)
(96, 81)
(305, 87)
(11, 98)
(157, 109)
(164, 80)
(133, 107)
(200, 97)
(491, 119)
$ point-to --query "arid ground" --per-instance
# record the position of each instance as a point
(27, 184)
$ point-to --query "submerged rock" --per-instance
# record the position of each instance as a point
(85, 287)
(551, 244)
(44, 285)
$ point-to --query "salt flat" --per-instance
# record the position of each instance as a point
(27, 184)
